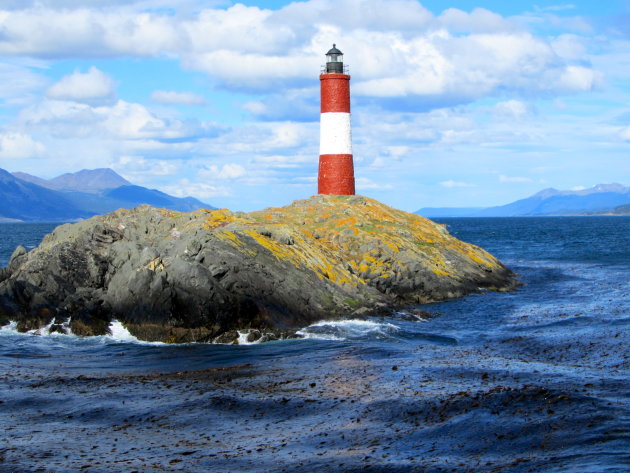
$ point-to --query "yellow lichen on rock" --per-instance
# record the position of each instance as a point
(218, 218)
(349, 240)
(155, 265)
(355, 239)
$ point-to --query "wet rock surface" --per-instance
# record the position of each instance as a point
(181, 277)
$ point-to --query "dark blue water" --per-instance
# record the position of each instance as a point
(29, 235)
(535, 380)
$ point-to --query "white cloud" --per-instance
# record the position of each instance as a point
(255, 106)
(450, 184)
(479, 20)
(512, 109)
(451, 137)
(16, 145)
(503, 178)
(396, 48)
(225, 172)
(140, 169)
(379, 162)
(122, 120)
(25, 4)
(201, 190)
(92, 87)
(462, 68)
(177, 98)
(562, 7)
(238, 28)
(277, 161)
(625, 134)
(287, 135)
(569, 46)
(253, 71)
(364, 183)
(579, 79)
(414, 67)
(391, 153)
(397, 151)
(83, 32)
(18, 82)
(406, 16)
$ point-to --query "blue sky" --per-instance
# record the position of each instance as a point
(454, 103)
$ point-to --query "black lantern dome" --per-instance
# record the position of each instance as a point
(334, 61)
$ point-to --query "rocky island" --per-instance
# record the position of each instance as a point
(200, 276)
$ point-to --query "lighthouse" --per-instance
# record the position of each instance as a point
(336, 168)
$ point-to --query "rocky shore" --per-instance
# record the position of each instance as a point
(200, 276)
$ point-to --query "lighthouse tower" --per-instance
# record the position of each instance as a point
(336, 168)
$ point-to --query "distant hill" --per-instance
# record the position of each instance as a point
(32, 179)
(21, 200)
(91, 181)
(80, 195)
(137, 195)
(549, 202)
(621, 210)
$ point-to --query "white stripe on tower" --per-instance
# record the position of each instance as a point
(335, 133)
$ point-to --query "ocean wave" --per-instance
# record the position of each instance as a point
(118, 333)
(11, 327)
(351, 329)
(52, 329)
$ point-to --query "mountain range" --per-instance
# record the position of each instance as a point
(75, 196)
(80, 195)
(603, 199)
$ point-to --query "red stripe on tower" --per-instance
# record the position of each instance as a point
(336, 167)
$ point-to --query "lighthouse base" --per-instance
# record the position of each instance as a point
(336, 174)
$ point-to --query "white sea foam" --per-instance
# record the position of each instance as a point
(120, 333)
(42, 331)
(347, 329)
(9, 328)
(65, 326)
(45, 331)
(406, 314)
(242, 338)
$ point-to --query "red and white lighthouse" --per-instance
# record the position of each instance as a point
(336, 168)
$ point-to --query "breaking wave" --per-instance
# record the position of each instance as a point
(118, 333)
(352, 329)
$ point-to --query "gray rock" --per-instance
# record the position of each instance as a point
(202, 276)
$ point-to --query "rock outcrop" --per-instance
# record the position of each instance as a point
(180, 277)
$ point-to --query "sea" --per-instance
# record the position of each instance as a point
(534, 380)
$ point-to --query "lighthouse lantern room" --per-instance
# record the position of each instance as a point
(334, 61)
(336, 167)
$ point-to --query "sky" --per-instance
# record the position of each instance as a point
(460, 103)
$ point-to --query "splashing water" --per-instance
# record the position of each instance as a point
(120, 333)
(42, 331)
(348, 330)
(11, 328)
